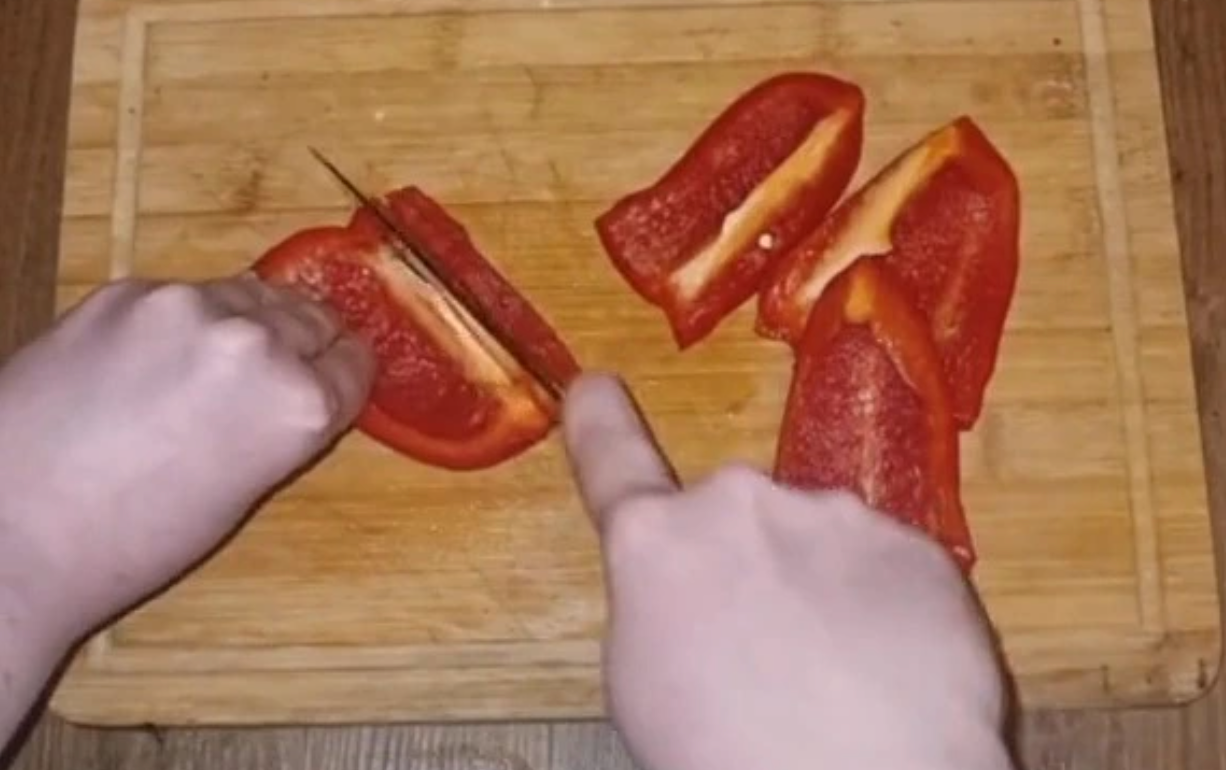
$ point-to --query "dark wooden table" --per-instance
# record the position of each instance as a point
(35, 66)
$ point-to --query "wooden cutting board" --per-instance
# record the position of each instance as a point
(376, 589)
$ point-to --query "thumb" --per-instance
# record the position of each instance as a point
(612, 453)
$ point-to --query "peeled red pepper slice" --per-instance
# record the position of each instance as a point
(944, 217)
(698, 241)
(868, 409)
(444, 393)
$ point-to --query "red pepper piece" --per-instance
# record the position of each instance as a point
(697, 243)
(444, 393)
(868, 409)
(944, 217)
(454, 249)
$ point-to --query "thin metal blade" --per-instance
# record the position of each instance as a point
(417, 259)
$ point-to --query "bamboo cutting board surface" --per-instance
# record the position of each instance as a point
(376, 589)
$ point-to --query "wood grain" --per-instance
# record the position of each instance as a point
(1194, 75)
(35, 57)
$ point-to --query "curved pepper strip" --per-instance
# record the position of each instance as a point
(444, 393)
(454, 249)
(868, 410)
(697, 242)
(944, 217)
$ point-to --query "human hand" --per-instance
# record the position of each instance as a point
(140, 429)
(751, 625)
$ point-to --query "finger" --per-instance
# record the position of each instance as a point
(238, 294)
(305, 327)
(104, 302)
(612, 452)
(347, 369)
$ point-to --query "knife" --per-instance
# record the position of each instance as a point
(418, 259)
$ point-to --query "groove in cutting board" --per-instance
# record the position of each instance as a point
(1123, 312)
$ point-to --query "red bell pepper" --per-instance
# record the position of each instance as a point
(944, 217)
(442, 394)
(698, 241)
(868, 410)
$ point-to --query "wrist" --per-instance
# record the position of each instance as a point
(36, 609)
(988, 755)
(934, 738)
(33, 637)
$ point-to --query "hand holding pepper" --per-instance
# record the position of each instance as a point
(138, 432)
(751, 625)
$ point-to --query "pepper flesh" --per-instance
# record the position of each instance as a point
(944, 217)
(868, 409)
(444, 392)
(698, 242)
(452, 246)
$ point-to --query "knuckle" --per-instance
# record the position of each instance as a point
(285, 291)
(832, 512)
(736, 480)
(634, 527)
(242, 337)
(129, 286)
(317, 318)
(173, 301)
(843, 499)
(315, 406)
(325, 315)
(115, 297)
(845, 510)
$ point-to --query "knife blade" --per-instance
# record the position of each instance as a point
(418, 259)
